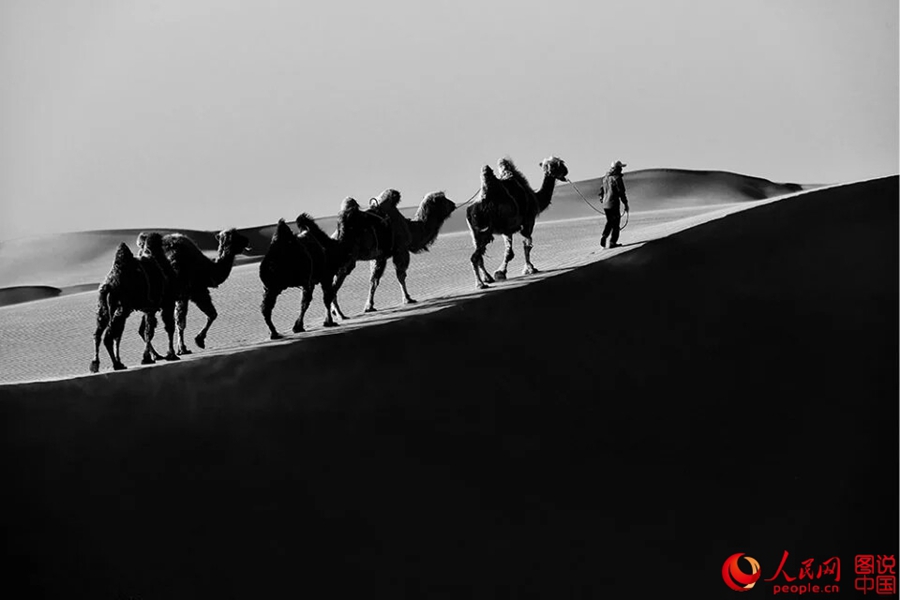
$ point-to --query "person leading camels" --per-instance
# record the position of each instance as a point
(508, 205)
(612, 192)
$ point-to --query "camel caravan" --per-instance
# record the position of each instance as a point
(169, 271)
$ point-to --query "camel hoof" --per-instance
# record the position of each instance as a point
(298, 329)
(369, 309)
(171, 357)
(275, 336)
(95, 366)
(329, 324)
(119, 367)
(184, 351)
(147, 360)
(482, 286)
(411, 301)
(500, 275)
(200, 341)
(530, 271)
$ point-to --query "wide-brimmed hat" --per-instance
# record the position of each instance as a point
(616, 164)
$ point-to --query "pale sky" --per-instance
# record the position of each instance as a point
(215, 113)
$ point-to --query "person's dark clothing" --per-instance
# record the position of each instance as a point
(612, 193)
(611, 231)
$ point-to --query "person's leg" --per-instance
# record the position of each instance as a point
(614, 219)
(607, 228)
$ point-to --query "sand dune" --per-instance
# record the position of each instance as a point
(609, 430)
(75, 261)
(54, 338)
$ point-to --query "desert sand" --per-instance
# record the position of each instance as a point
(617, 425)
(54, 339)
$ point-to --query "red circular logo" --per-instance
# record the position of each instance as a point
(735, 578)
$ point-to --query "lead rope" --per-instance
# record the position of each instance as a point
(572, 183)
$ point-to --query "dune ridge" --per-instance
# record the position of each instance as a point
(73, 262)
(460, 453)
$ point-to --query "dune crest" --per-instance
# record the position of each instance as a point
(74, 259)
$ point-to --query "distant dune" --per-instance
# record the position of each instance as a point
(615, 430)
(72, 262)
(15, 295)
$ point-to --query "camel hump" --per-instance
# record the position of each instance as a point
(508, 170)
(389, 198)
(282, 231)
(123, 254)
(305, 221)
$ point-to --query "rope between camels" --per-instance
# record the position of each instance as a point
(572, 183)
(469, 200)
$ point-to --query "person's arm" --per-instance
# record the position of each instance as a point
(624, 197)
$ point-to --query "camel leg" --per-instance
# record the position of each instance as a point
(181, 310)
(270, 295)
(377, 271)
(482, 244)
(204, 302)
(401, 266)
(113, 335)
(329, 297)
(527, 245)
(338, 282)
(478, 267)
(148, 327)
(102, 324)
(482, 277)
(168, 317)
(500, 273)
(304, 306)
(142, 331)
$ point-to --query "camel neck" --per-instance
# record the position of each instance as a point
(221, 266)
(545, 193)
(424, 230)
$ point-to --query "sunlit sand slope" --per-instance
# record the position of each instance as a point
(73, 261)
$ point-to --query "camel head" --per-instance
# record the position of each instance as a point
(435, 205)
(555, 168)
(388, 198)
(232, 242)
(150, 244)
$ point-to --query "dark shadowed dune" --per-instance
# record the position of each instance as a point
(67, 259)
(732, 388)
(27, 293)
(73, 259)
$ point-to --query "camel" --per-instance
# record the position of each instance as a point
(141, 284)
(195, 274)
(508, 206)
(382, 232)
(305, 260)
